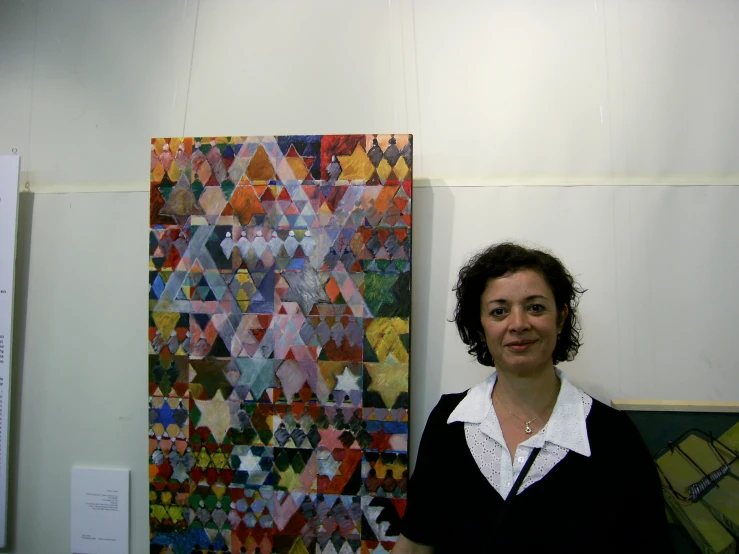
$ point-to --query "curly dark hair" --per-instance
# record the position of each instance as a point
(502, 259)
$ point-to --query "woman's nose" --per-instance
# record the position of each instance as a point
(518, 319)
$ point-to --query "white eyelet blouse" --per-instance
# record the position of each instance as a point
(565, 431)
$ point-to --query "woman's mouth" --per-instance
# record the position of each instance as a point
(520, 345)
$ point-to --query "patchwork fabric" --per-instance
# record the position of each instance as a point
(279, 343)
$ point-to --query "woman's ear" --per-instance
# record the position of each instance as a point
(562, 318)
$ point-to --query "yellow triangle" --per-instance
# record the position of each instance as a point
(159, 145)
(174, 172)
(329, 370)
(384, 169)
(260, 167)
(299, 547)
(298, 167)
(174, 144)
(165, 322)
(357, 166)
(157, 173)
(401, 168)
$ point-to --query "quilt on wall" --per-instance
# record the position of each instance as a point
(279, 311)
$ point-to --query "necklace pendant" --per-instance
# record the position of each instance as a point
(528, 429)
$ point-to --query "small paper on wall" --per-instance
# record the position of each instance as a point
(100, 520)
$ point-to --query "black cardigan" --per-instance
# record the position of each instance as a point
(608, 502)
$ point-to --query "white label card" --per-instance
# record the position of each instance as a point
(100, 504)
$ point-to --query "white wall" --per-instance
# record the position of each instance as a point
(529, 93)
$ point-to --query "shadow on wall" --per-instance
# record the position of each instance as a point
(432, 247)
(22, 262)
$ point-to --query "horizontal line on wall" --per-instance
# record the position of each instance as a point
(579, 180)
(675, 406)
(450, 181)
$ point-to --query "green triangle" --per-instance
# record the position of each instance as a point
(406, 340)
(197, 188)
(265, 435)
(165, 190)
(195, 417)
(210, 501)
(227, 188)
(219, 292)
(297, 464)
(164, 385)
(402, 265)
(383, 264)
(369, 354)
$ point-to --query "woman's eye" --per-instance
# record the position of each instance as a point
(537, 308)
(497, 312)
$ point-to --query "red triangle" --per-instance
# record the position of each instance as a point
(374, 180)
(365, 254)
(401, 203)
(264, 320)
(305, 394)
(284, 195)
(309, 161)
(291, 152)
(267, 196)
(400, 505)
(173, 259)
(407, 187)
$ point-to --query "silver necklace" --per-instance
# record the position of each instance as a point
(528, 423)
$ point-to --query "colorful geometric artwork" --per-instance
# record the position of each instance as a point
(279, 342)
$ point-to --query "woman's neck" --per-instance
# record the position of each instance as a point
(534, 392)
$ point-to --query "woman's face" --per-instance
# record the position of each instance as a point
(520, 321)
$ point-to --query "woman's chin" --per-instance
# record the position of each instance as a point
(521, 365)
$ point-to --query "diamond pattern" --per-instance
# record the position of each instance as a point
(279, 306)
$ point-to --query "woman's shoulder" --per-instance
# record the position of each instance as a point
(446, 404)
(605, 418)
(610, 427)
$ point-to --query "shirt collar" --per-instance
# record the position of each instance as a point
(566, 426)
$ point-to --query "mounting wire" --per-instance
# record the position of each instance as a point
(192, 58)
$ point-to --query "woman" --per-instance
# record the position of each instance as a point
(525, 461)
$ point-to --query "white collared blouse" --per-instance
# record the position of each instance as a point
(566, 430)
